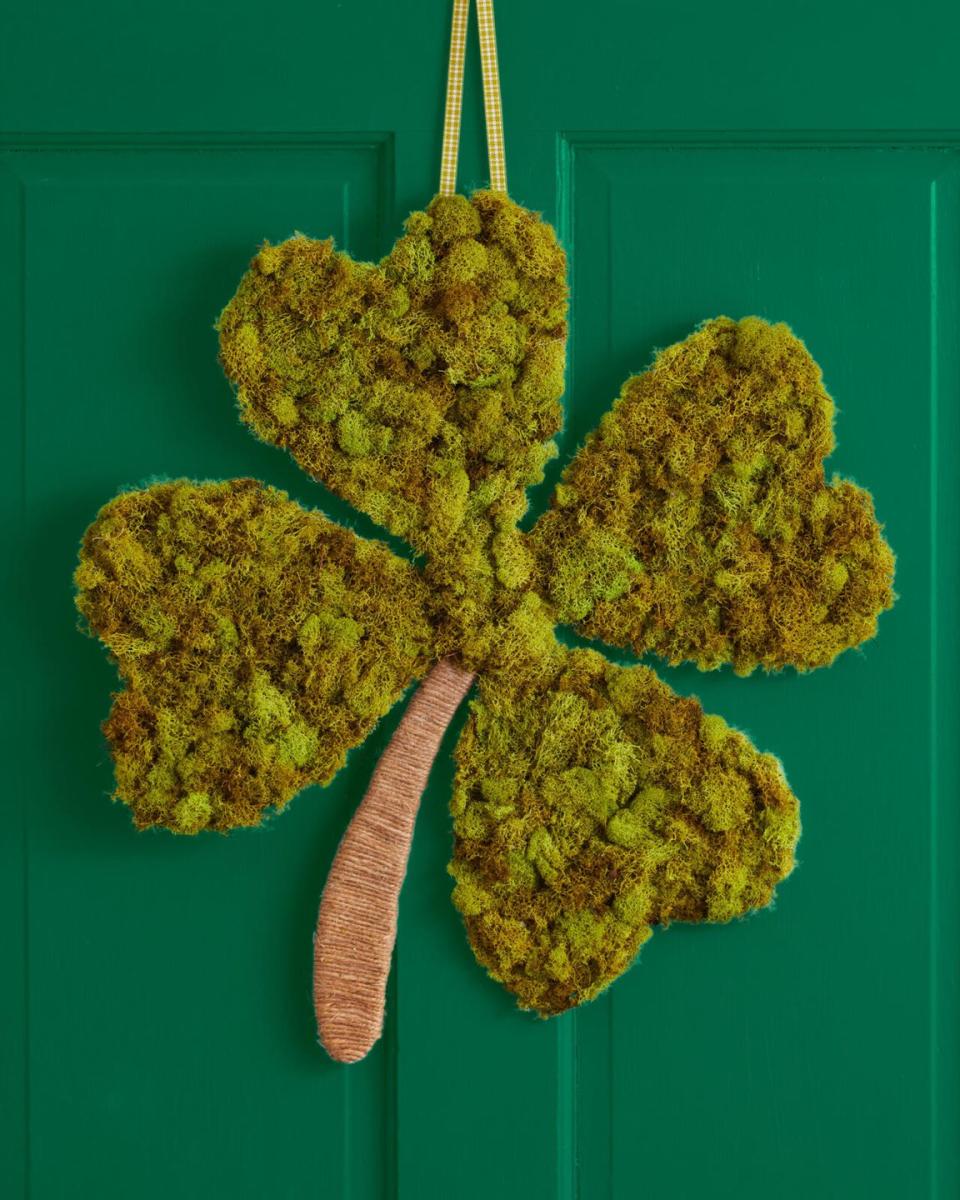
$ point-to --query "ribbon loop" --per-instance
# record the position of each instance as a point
(492, 107)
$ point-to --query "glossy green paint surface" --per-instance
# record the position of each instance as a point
(156, 1030)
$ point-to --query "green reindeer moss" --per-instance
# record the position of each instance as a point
(696, 521)
(259, 642)
(424, 390)
(594, 804)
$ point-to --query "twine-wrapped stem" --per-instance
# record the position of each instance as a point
(357, 922)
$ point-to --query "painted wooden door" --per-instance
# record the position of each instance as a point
(802, 163)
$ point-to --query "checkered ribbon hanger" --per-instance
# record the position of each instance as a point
(492, 108)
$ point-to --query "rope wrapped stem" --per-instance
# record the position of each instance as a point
(357, 922)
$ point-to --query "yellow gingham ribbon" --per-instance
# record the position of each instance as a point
(492, 108)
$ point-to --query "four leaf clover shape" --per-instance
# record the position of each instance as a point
(259, 641)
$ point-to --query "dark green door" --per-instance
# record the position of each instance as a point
(156, 1028)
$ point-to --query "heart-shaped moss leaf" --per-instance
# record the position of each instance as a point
(258, 643)
(697, 521)
(594, 803)
(424, 390)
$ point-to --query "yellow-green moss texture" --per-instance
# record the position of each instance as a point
(697, 522)
(258, 642)
(593, 803)
(424, 390)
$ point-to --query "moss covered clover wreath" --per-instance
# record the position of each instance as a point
(258, 642)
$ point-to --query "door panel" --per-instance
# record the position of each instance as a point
(168, 1032)
(795, 1044)
(155, 1028)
